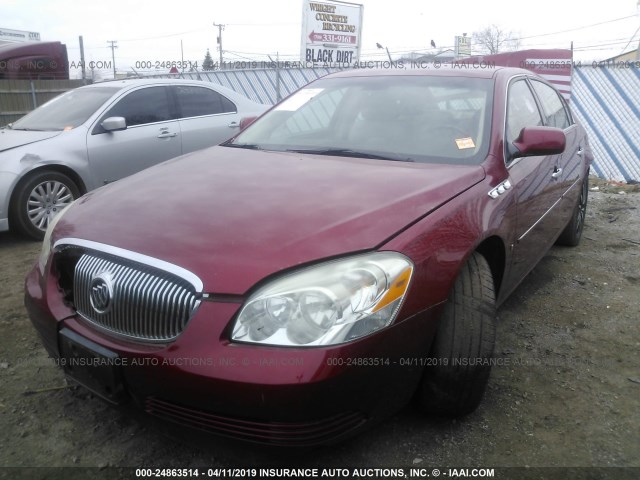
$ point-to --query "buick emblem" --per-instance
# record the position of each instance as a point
(101, 292)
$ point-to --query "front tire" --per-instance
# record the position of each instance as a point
(572, 233)
(38, 199)
(461, 353)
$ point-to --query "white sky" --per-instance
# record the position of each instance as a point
(152, 30)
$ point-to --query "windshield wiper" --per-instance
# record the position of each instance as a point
(249, 146)
(347, 152)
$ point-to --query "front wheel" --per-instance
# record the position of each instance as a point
(462, 351)
(572, 233)
(38, 199)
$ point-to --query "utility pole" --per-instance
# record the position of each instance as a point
(277, 64)
(113, 46)
(220, 28)
(84, 72)
(388, 54)
(182, 56)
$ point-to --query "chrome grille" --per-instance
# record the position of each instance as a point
(146, 303)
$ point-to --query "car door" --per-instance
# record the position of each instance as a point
(207, 118)
(533, 180)
(568, 164)
(152, 135)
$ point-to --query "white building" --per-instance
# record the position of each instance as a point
(8, 35)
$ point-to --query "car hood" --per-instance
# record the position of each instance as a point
(16, 138)
(234, 216)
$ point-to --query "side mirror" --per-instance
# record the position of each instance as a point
(113, 124)
(534, 141)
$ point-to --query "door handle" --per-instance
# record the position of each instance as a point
(167, 135)
(580, 152)
(556, 172)
(233, 125)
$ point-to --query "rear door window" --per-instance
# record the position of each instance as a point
(554, 111)
(199, 101)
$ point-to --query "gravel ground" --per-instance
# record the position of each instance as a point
(565, 394)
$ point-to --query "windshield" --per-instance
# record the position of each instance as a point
(405, 118)
(66, 111)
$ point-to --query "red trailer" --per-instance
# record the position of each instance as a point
(555, 65)
(34, 60)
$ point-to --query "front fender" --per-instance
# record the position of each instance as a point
(65, 153)
(441, 243)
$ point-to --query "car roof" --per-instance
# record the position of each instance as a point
(131, 83)
(136, 82)
(473, 70)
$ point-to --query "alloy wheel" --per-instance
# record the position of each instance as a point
(46, 200)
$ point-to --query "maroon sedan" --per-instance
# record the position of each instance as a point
(343, 254)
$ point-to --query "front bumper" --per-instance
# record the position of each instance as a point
(274, 395)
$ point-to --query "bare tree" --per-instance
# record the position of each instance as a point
(494, 39)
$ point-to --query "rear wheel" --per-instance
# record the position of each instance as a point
(38, 199)
(455, 381)
(572, 233)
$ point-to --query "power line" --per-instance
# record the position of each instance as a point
(604, 41)
(575, 29)
(261, 24)
(596, 47)
(246, 58)
(163, 36)
(630, 40)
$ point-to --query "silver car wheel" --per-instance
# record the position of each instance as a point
(45, 202)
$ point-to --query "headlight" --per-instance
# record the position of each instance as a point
(332, 303)
(46, 242)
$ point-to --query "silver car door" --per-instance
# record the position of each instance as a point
(152, 135)
(207, 118)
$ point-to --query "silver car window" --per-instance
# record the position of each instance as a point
(147, 105)
(198, 101)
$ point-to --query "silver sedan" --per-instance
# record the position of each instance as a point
(99, 133)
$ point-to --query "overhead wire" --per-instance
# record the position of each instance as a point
(577, 28)
(630, 40)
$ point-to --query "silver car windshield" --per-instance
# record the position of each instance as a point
(407, 118)
(66, 111)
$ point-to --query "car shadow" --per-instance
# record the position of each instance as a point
(10, 239)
